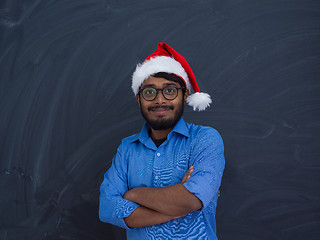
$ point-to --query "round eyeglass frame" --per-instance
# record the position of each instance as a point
(162, 91)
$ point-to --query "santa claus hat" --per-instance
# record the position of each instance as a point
(166, 59)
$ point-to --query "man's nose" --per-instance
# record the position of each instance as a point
(160, 98)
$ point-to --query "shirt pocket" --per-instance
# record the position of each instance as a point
(140, 171)
(181, 165)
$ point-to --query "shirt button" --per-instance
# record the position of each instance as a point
(158, 154)
(156, 177)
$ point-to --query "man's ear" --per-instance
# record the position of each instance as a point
(186, 95)
(138, 99)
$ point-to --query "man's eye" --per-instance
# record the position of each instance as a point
(149, 91)
(170, 90)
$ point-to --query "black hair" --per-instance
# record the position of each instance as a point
(171, 77)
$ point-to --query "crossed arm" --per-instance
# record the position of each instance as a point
(160, 205)
(142, 206)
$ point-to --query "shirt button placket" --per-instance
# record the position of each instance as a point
(158, 167)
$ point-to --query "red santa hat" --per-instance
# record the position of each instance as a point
(166, 59)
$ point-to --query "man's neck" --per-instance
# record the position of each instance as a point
(159, 134)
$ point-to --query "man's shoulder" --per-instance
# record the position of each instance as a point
(130, 139)
(127, 141)
(200, 131)
(203, 137)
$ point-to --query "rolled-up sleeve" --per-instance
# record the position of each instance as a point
(208, 161)
(112, 207)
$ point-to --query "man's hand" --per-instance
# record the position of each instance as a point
(187, 175)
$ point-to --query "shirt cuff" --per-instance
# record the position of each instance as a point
(123, 209)
(200, 191)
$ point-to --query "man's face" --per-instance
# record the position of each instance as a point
(162, 113)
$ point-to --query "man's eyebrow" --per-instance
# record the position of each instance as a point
(169, 84)
(148, 85)
(153, 85)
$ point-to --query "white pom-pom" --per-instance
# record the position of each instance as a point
(199, 101)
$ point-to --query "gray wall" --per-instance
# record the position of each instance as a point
(66, 102)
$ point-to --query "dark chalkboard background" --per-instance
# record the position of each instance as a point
(66, 102)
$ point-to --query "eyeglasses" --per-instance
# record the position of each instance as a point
(168, 93)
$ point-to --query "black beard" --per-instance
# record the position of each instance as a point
(162, 124)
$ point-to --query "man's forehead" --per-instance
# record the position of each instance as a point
(158, 82)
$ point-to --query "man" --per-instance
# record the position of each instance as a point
(164, 181)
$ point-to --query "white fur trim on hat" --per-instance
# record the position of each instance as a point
(155, 65)
(199, 101)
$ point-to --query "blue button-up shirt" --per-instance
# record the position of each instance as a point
(139, 163)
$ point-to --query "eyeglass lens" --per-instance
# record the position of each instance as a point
(169, 93)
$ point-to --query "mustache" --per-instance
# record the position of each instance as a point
(166, 107)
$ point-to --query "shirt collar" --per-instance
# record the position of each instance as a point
(180, 128)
